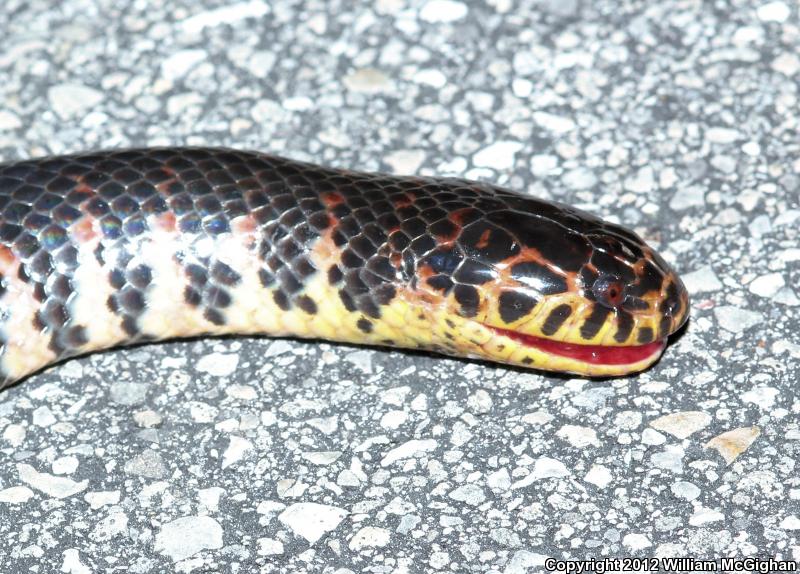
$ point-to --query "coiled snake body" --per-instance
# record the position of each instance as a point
(109, 248)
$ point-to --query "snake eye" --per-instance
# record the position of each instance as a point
(609, 291)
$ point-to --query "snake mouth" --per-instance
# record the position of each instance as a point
(590, 354)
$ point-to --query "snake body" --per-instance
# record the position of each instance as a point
(109, 248)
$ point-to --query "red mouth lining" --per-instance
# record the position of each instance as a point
(593, 354)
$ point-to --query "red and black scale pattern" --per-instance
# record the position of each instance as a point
(388, 228)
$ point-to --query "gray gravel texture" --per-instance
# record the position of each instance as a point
(678, 118)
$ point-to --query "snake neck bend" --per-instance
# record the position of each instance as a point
(110, 248)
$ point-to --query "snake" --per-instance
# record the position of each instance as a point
(108, 248)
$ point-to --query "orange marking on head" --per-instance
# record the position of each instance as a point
(483, 240)
(166, 221)
(84, 230)
(244, 224)
(409, 200)
(7, 260)
(331, 198)
(457, 216)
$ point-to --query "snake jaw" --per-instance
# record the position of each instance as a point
(590, 359)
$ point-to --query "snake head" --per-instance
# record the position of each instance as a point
(544, 285)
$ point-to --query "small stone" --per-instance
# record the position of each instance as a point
(556, 124)
(14, 434)
(767, 285)
(269, 547)
(15, 495)
(408, 450)
(790, 523)
(322, 458)
(578, 436)
(682, 424)
(178, 64)
(187, 536)
(394, 419)
(685, 490)
(73, 100)
(734, 442)
(702, 280)
(636, 542)
(72, 562)
(762, 396)
(147, 418)
(787, 64)
(439, 560)
(436, 11)
(499, 480)
(367, 81)
(599, 475)
(55, 486)
(311, 520)
(149, 464)
(722, 135)
(671, 459)
(686, 197)
(579, 178)
(773, 12)
(237, 447)
(241, 392)
(544, 467)
(471, 494)
(65, 465)
(9, 121)
(653, 437)
(736, 320)
(43, 417)
(102, 498)
(480, 402)
(369, 537)
(498, 155)
(405, 161)
(218, 364)
(128, 393)
(704, 516)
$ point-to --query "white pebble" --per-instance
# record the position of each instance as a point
(736, 320)
(187, 536)
(767, 285)
(599, 475)
(311, 520)
(685, 490)
(55, 486)
(682, 424)
(762, 396)
(43, 417)
(636, 541)
(702, 280)
(369, 537)
(471, 494)
(704, 516)
(269, 547)
(578, 436)
(15, 495)
(393, 419)
(498, 155)
(442, 11)
(722, 135)
(236, 450)
(72, 100)
(408, 450)
(218, 364)
(405, 161)
(773, 12)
